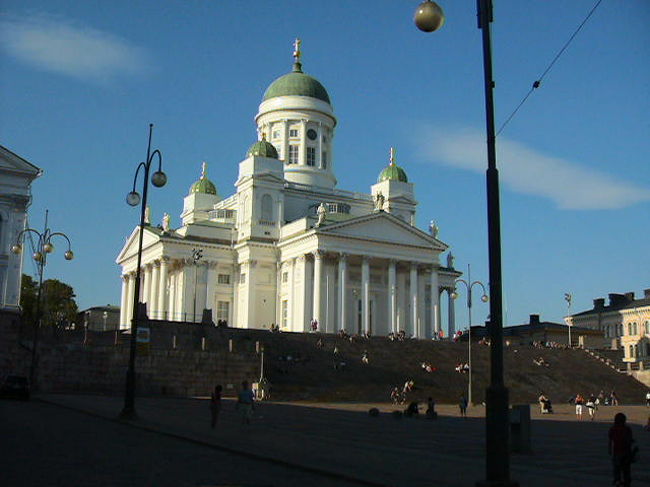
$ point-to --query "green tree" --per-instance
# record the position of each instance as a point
(57, 301)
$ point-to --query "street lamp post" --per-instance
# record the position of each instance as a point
(197, 255)
(158, 179)
(43, 247)
(428, 18)
(469, 285)
(568, 298)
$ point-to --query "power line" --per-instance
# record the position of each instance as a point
(538, 81)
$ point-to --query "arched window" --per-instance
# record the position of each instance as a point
(267, 208)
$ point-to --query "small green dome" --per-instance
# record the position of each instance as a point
(204, 185)
(393, 173)
(297, 83)
(262, 148)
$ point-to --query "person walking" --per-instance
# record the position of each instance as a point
(591, 407)
(620, 449)
(245, 400)
(647, 399)
(215, 404)
(580, 402)
(462, 404)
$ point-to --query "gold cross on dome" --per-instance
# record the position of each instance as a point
(296, 50)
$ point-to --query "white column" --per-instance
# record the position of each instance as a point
(413, 286)
(209, 289)
(330, 298)
(402, 298)
(154, 309)
(452, 313)
(251, 296)
(343, 278)
(435, 301)
(292, 274)
(318, 285)
(302, 157)
(124, 300)
(392, 297)
(146, 297)
(279, 270)
(162, 291)
(285, 142)
(130, 297)
(319, 156)
(365, 294)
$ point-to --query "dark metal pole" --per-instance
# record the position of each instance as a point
(37, 320)
(129, 395)
(497, 421)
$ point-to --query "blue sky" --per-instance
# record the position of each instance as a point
(81, 81)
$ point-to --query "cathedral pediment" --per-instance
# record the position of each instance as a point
(130, 249)
(13, 163)
(385, 228)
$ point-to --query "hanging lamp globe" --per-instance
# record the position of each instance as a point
(16, 249)
(485, 298)
(48, 248)
(159, 179)
(38, 257)
(69, 255)
(133, 198)
(429, 16)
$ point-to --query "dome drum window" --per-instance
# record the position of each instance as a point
(293, 154)
(293, 133)
(311, 156)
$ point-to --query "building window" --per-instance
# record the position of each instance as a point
(285, 277)
(223, 279)
(223, 310)
(242, 278)
(276, 134)
(293, 133)
(324, 139)
(293, 154)
(311, 156)
(285, 312)
(323, 160)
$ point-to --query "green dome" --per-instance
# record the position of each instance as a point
(204, 185)
(393, 173)
(297, 83)
(262, 148)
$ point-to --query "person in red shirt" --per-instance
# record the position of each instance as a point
(620, 449)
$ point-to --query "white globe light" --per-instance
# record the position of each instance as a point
(485, 298)
(69, 255)
(454, 295)
(133, 198)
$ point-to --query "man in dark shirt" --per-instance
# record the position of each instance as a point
(620, 449)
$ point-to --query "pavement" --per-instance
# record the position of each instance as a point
(341, 443)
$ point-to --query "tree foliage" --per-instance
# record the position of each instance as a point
(57, 301)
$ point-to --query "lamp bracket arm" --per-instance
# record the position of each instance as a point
(159, 154)
(135, 177)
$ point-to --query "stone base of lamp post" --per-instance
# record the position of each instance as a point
(497, 424)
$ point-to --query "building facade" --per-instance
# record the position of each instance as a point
(289, 247)
(625, 321)
(16, 176)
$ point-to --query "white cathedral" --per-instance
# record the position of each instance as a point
(288, 247)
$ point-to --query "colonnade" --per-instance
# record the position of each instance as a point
(359, 293)
(170, 289)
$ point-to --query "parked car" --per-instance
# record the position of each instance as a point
(15, 387)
